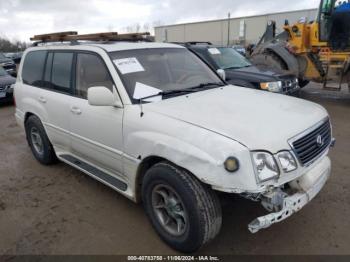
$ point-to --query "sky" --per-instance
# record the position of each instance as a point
(21, 19)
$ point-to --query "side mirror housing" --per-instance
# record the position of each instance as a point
(222, 74)
(100, 96)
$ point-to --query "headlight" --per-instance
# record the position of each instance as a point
(287, 161)
(272, 86)
(265, 165)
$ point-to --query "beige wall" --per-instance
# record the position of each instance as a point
(217, 31)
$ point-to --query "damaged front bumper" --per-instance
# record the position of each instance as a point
(305, 188)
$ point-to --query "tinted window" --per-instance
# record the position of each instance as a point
(91, 71)
(61, 78)
(33, 68)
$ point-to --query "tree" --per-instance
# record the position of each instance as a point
(15, 46)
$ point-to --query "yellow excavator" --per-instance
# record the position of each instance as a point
(316, 51)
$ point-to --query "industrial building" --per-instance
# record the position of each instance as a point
(242, 30)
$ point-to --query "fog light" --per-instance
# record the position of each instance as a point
(231, 164)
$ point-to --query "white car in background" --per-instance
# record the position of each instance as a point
(153, 122)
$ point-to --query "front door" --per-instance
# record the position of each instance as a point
(96, 131)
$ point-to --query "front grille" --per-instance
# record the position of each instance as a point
(290, 84)
(310, 146)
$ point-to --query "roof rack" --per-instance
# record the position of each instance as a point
(74, 38)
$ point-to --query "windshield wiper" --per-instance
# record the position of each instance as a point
(168, 92)
(194, 89)
(238, 67)
(209, 85)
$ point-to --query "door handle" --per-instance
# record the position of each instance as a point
(42, 100)
(75, 110)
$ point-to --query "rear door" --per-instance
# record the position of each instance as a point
(96, 131)
(56, 96)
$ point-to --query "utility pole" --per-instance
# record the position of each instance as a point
(228, 29)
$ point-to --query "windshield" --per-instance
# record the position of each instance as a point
(3, 72)
(161, 69)
(228, 58)
(2, 56)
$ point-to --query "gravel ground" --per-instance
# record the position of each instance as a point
(59, 210)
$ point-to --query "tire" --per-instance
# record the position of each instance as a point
(269, 60)
(200, 207)
(38, 141)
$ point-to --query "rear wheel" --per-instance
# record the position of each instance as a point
(39, 142)
(185, 213)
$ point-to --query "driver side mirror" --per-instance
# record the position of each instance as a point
(102, 96)
(222, 74)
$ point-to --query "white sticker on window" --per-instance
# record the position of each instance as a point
(142, 91)
(214, 51)
(128, 65)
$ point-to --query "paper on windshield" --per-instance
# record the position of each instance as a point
(128, 65)
(142, 90)
(214, 51)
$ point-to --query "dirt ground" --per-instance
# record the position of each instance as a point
(59, 210)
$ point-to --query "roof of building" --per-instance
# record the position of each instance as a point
(238, 17)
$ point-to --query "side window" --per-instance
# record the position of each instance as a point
(33, 68)
(61, 78)
(91, 71)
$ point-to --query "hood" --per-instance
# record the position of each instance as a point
(258, 120)
(257, 74)
(7, 80)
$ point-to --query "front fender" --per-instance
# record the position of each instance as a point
(173, 149)
(200, 151)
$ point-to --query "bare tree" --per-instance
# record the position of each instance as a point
(110, 28)
(15, 46)
(146, 27)
(137, 27)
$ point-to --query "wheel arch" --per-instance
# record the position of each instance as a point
(143, 167)
(27, 115)
(146, 165)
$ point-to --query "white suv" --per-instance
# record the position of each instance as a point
(153, 122)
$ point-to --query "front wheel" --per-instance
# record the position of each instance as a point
(185, 213)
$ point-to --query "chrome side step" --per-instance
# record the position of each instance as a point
(94, 172)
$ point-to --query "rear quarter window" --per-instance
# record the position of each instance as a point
(33, 67)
